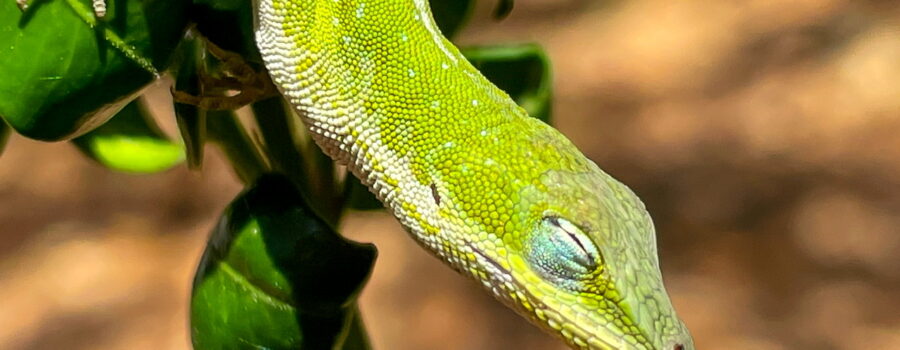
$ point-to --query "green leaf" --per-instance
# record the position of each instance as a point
(65, 73)
(451, 15)
(132, 142)
(523, 71)
(276, 276)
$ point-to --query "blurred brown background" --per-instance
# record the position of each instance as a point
(764, 136)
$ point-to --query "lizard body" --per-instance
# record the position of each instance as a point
(500, 196)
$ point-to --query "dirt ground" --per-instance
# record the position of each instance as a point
(764, 137)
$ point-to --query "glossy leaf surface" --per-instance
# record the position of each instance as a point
(131, 142)
(276, 276)
(65, 73)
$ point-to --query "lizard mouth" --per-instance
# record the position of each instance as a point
(499, 280)
(491, 263)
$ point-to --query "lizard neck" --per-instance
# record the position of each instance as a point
(383, 92)
(354, 67)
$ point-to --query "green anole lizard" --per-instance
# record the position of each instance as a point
(500, 196)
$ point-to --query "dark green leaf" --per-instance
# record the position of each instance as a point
(451, 15)
(131, 141)
(276, 276)
(523, 71)
(65, 73)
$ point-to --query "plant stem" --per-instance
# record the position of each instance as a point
(4, 135)
(357, 338)
(277, 132)
(277, 129)
(225, 130)
(323, 178)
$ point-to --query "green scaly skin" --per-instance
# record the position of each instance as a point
(498, 195)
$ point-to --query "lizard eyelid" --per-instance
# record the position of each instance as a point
(576, 235)
(561, 252)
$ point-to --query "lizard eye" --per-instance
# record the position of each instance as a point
(560, 251)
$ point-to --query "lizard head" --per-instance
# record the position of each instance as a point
(583, 264)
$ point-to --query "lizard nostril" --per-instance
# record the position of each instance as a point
(678, 347)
